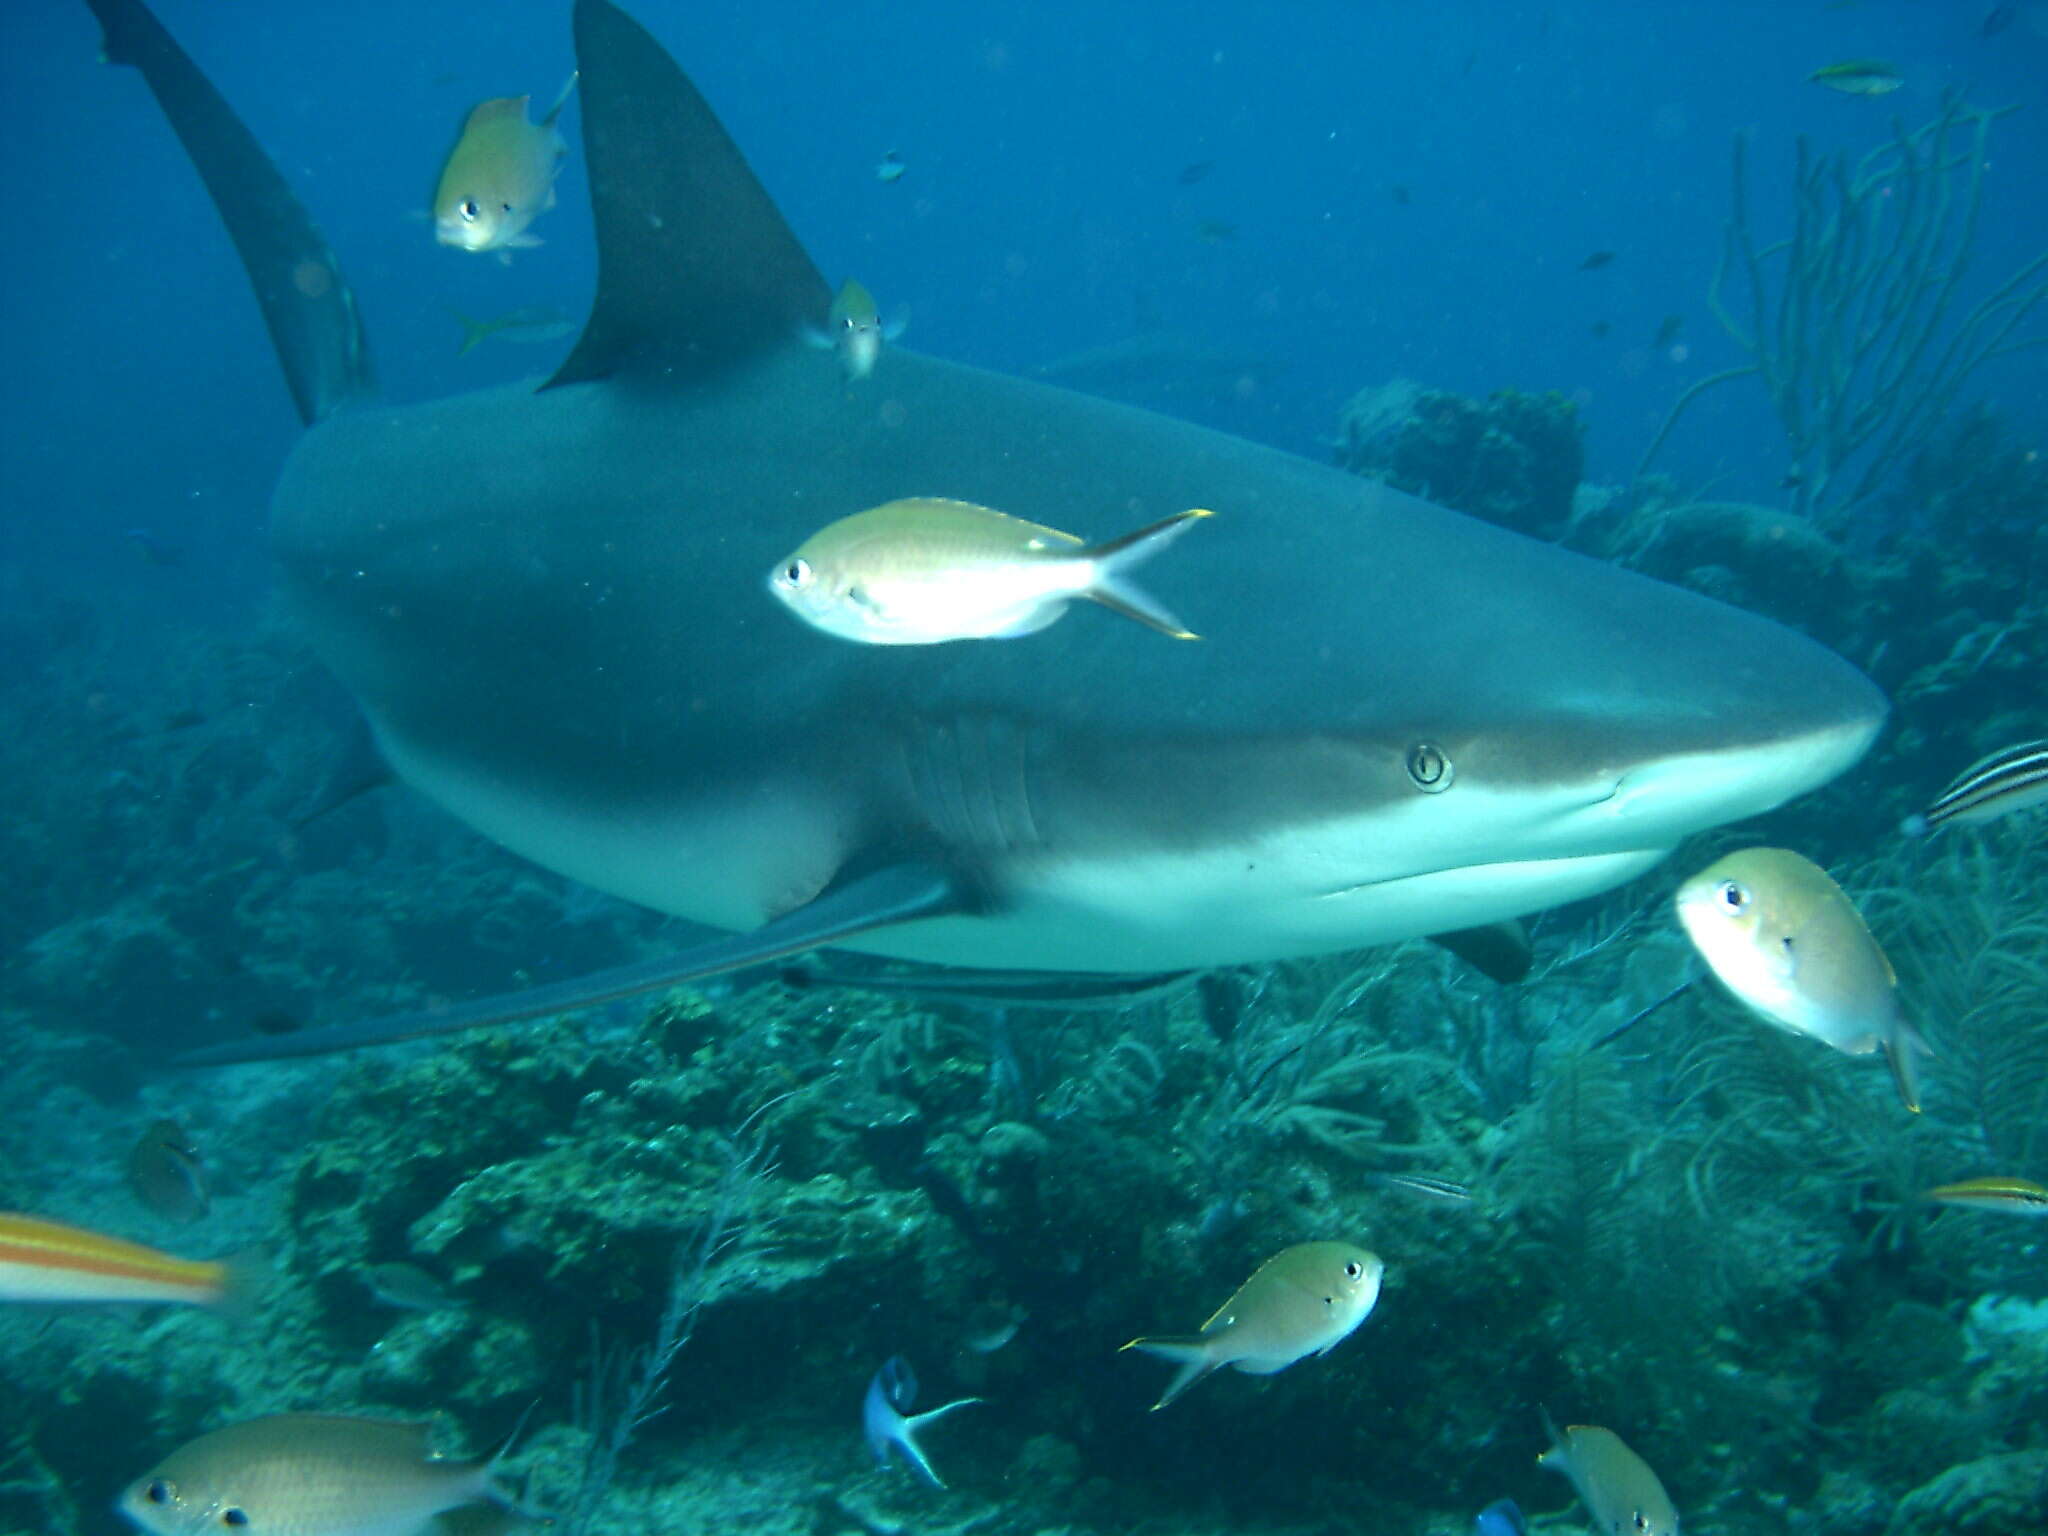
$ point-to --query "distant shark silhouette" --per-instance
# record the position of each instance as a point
(551, 606)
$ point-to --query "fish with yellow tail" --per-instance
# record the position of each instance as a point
(2012, 780)
(1305, 1300)
(48, 1261)
(309, 1474)
(500, 176)
(1616, 1485)
(854, 329)
(1786, 940)
(924, 570)
(2014, 1196)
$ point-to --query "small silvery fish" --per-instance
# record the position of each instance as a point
(500, 176)
(887, 1421)
(51, 1262)
(890, 168)
(1430, 1187)
(923, 570)
(2006, 781)
(1786, 940)
(854, 330)
(2015, 1196)
(1616, 1485)
(1305, 1300)
(164, 1173)
(531, 324)
(307, 1474)
(407, 1286)
(1859, 77)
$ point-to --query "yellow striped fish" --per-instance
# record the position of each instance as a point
(49, 1261)
(2005, 781)
(2019, 1197)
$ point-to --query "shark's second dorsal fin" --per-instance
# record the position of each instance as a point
(306, 303)
(696, 268)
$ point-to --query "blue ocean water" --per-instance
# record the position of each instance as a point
(1041, 212)
(1324, 196)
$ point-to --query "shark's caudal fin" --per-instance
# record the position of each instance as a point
(696, 269)
(896, 894)
(306, 303)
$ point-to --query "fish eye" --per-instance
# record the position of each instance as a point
(1428, 768)
(469, 210)
(797, 573)
(1353, 1269)
(234, 1517)
(158, 1492)
(1734, 895)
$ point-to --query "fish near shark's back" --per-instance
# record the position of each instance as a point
(616, 561)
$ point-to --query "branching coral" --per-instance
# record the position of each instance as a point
(1851, 321)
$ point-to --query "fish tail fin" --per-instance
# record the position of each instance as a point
(1113, 561)
(491, 1491)
(1190, 1352)
(1903, 1049)
(244, 1277)
(561, 101)
(473, 332)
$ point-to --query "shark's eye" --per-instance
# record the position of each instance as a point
(158, 1492)
(469, 210)
(1429, 768)
(1734, 895)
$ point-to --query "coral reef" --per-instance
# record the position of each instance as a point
(1513, 459)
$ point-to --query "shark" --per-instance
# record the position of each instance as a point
(549, 601)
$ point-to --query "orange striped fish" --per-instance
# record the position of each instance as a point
(2022, 1197)
(49, 1261)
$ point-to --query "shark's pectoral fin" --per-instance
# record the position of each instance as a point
(354, 769)
(696, 270)
(1499, 951)
(1061, 990)
(897, 893)
(307, 305)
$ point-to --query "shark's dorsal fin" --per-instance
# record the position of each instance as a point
(696, 268)
(306, 303)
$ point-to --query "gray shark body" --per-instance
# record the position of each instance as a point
(551, 605)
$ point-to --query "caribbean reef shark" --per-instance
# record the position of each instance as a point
(551, 606)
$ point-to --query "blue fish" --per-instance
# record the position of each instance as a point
(888, 1421)
(1503, 1517)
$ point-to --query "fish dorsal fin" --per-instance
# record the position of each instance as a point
(496, 109)
(696, 269)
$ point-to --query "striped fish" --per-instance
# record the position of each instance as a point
(49, 1261)
(2005, 781)
(2021, 1197)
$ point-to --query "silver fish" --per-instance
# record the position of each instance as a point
(306, 1474)
(1616, 1485)
(1305, 1300)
